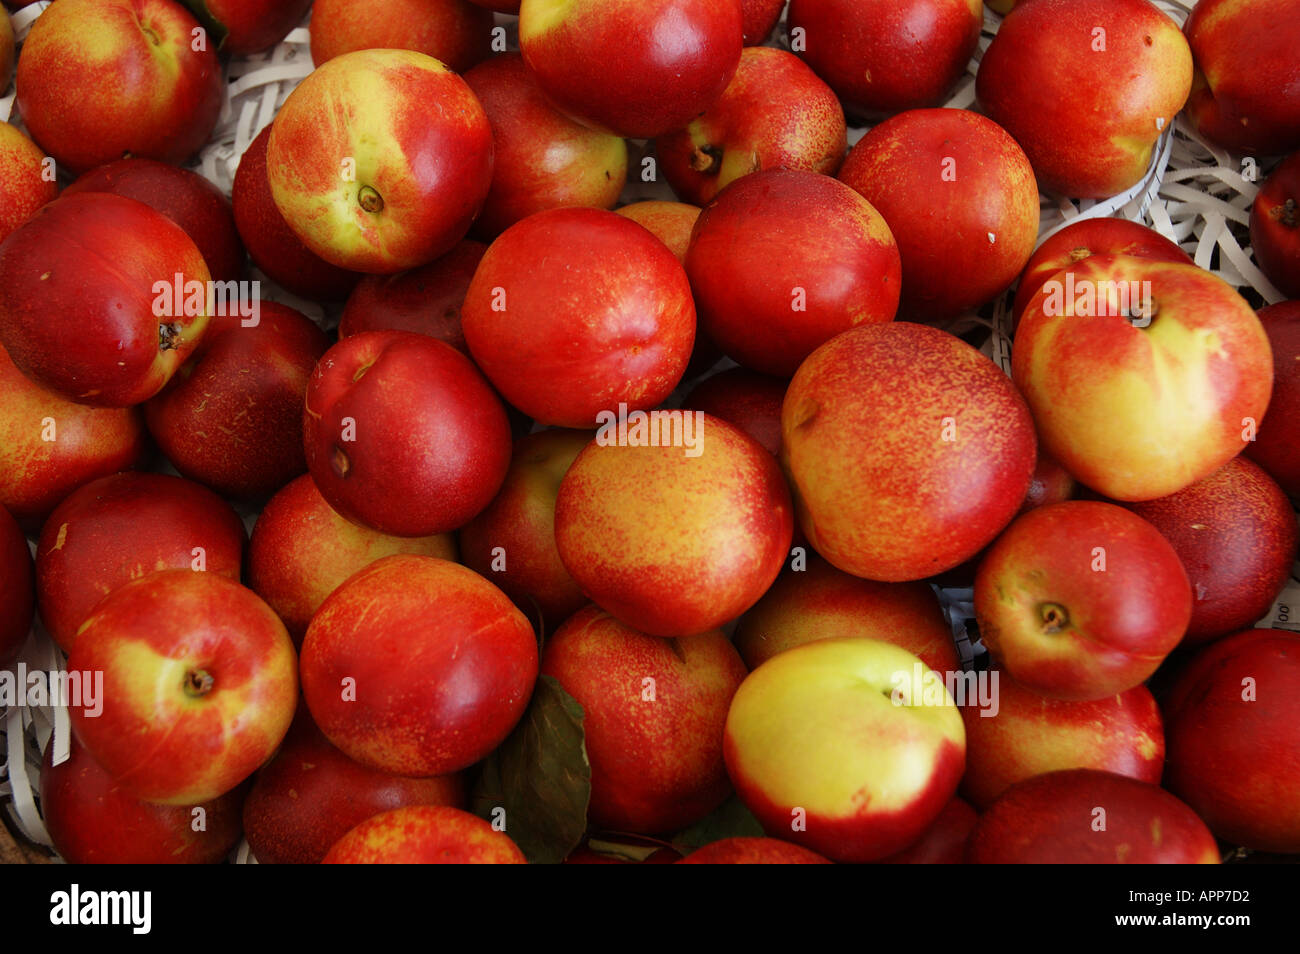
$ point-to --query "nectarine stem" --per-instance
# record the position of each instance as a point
(167, 335)
(1146, 314)
(706, 159)
(339, 461)
(370, 200)
(1285, 213)
(1054, 617)
(198, 683)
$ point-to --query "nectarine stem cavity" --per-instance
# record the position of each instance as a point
(168, 335)
(370, 199)
(198, 683)
(1054, 617)
(707, 159)
(1285, 213)
(1141, 315)
(339, 461)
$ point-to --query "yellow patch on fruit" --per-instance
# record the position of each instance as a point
(355, 219)
(538, 17)
(819, 727)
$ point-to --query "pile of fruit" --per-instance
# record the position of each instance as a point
(607, 535)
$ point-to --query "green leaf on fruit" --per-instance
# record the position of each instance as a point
(216, 29)
(730, 820)
(540, 776)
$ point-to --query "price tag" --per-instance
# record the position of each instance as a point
(1285, 613)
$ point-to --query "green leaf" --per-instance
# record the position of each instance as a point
(541, 777)
(216, 29)
(731, 819)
